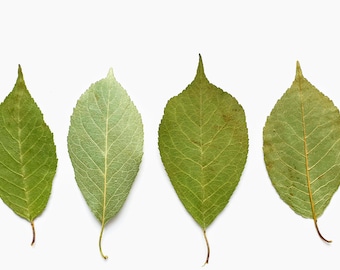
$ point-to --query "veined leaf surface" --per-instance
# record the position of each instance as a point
(28, 159)
(105, 144)
(203, 143)
(301, 144)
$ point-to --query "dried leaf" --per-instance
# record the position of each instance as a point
(105, 143)
(301, 145)
(203, 142)
(28, 155)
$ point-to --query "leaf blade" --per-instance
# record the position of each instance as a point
(300, 147)
(105, 143)
(28, 154)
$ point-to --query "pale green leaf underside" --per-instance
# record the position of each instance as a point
(302, 148)
(105, 144)
(27, 154)
(203, 142)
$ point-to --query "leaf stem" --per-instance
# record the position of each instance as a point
(319, 233)
(33, 231)
(208, 247)
(100, 243)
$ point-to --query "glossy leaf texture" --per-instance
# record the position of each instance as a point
(203, 143)
(28, 158)
(105, 144)
(301, 145)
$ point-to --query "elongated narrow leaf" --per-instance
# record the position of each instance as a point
(203, 143)
(301, 144)
(105, 143)
(28, 159)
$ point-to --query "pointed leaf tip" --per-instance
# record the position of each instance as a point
(20, 75)
(110, 73)
(20, 79)
(200, 68)
(298, 70)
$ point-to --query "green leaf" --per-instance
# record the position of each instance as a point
(301, 147)
(28, 159)
(105, 144)
(203, 143)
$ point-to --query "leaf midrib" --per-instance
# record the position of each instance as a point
(21, 155)
(105, 160)
(306, 152)
(203, 183)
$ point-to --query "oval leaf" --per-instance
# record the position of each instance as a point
(203, 143)
(28, 154)
(105, 144)
(301, 147)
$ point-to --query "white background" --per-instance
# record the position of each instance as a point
(249, 49)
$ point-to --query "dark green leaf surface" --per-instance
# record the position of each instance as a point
(301, 148)
(203, 143)
(105, 143)
(27, 154)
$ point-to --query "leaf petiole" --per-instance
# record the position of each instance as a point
(33, 231)
(208, 247)
(100, 243)
(319, 233)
